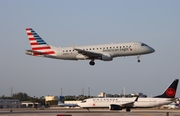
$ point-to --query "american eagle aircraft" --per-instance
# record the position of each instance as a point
(104, 52)
(127, 103)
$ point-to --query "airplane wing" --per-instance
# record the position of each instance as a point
(88, 53)
(130, 104)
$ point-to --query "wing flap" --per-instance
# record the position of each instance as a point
(129, 104)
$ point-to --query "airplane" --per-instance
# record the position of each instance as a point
(66, 105)
(116, 103)
(104, 52)
(173, 105)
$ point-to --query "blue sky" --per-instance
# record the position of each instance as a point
(81, 22)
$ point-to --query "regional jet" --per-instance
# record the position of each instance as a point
(104, 52)
(66, 105)
(127, 103)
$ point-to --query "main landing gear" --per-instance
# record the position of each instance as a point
(138, 58)
(128, 109)
(92, 63)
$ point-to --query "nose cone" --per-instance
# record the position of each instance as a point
(152, 50)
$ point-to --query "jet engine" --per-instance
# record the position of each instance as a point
(106, 57)
(115, 107)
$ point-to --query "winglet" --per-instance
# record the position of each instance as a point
(73, 46)
(136, 99)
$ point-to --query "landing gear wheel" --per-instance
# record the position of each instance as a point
(139, 60)
(128, 109)
(92, 63)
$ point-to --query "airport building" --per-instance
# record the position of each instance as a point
(29, 104)
(50, 98)
(102, 94)
(10, 103)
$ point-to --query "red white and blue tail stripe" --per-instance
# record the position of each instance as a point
(39, 46)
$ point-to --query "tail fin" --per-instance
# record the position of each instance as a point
(60, 99)
(170, 92)
(60, 103)
(38, 45)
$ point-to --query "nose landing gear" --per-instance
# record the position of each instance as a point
(92, 63)
(138, 57)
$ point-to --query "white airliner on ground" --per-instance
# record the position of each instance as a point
(127, 103)
(105, 52)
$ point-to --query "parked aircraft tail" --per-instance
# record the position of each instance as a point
(60, 103)
(170, 92)
(38, 45)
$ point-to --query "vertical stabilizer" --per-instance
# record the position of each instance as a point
(38, 45)
(170, 92)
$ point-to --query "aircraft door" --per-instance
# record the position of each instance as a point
(135, 46)
(59, 52)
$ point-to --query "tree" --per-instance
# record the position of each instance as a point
(21, 96)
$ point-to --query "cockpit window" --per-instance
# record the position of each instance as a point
(143, 44)
(83, 101)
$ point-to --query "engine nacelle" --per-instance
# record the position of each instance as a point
(106, 57)
(81, 57)
(115, 107)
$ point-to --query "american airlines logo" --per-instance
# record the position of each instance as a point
(124, 48)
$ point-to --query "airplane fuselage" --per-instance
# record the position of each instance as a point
(167, 97)
(104, 52)
(141, 103)
(109, 51)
